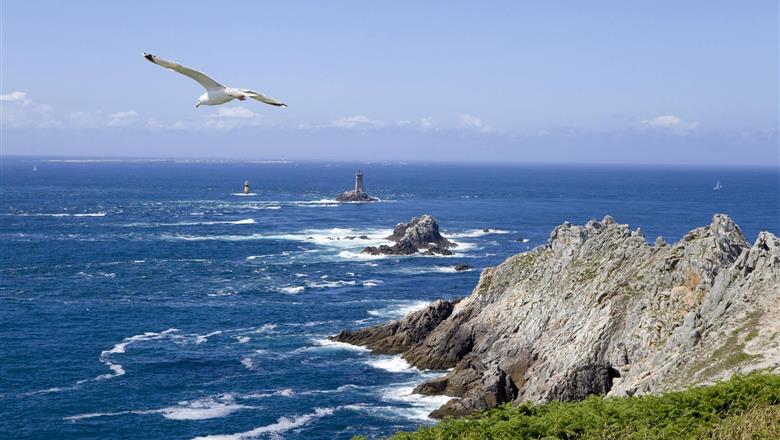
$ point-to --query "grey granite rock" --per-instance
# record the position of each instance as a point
(420, 235)
(355, 196)
(598, 310)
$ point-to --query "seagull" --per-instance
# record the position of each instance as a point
(216, 93)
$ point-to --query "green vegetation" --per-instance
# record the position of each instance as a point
(745, 407)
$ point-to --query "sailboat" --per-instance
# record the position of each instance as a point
(718, 186)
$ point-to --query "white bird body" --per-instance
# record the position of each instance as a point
(216, 93)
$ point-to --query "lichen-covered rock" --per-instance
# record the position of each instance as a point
(599, 311)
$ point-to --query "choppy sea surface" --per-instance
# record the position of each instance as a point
(150, 299)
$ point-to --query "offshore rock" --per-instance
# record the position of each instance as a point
(598, 310)
(355, 196)
(420, 235)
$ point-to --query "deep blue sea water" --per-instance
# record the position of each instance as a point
(149, 300)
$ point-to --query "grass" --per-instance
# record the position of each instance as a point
(745, 407)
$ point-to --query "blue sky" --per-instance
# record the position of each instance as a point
(666, 82)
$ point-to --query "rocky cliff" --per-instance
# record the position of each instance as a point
(597, 310)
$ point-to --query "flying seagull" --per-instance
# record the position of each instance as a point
(216, 93)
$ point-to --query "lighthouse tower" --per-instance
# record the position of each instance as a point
(246, 187)
(359, 182)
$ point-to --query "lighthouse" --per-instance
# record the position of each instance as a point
(246, 187)
(356, 195)
(359, 182)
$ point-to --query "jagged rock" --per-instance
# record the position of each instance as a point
(421, 234)
(462, 267)
(400, 335)
(597, 310)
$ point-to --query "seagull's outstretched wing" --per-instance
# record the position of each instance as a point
(262, 98)
(201, 78)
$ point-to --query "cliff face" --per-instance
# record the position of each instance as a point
(599, 311)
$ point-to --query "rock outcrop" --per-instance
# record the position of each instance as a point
(420, 235)
(598, 310)
(355, 196)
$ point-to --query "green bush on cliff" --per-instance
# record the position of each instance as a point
(745, 407)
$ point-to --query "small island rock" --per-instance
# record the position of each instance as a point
(420, 235)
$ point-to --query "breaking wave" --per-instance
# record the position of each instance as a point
(283, 424)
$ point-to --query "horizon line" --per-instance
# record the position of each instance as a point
(280, 161)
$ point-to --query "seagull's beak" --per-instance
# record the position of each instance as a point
(197, 104)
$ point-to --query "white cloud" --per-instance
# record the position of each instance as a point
(156, 124)
(359, 122)
(237, 113)
(423, 124)
(669, 122)
(121, 119)
(21, 112)
(471, 122)
(98, 119)
(14, 96)
(231, 118)
(426, 124)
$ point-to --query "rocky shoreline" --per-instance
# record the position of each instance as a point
(598, 310)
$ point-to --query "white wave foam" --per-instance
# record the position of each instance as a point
(372, 283)
(199, 339)
(251, 237)
(247, 362)
(338, 237)
(429, 269)
(257, 257)
(348, 255)
(327, 343)
(51, 390)
(330, 284)
(244, 194)
(107, 414)
(61, 214)
(209, 408)
(116, 368)
(265, 328)
(393, 364)
(398, 310)
(202, 409)
(316, 203)
(474, 233)
(283, 424)
(287, 392)
(291, 290)
(420, 406)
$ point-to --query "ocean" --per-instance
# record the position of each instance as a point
(151, 299)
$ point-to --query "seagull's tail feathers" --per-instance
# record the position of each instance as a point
(262, 98)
